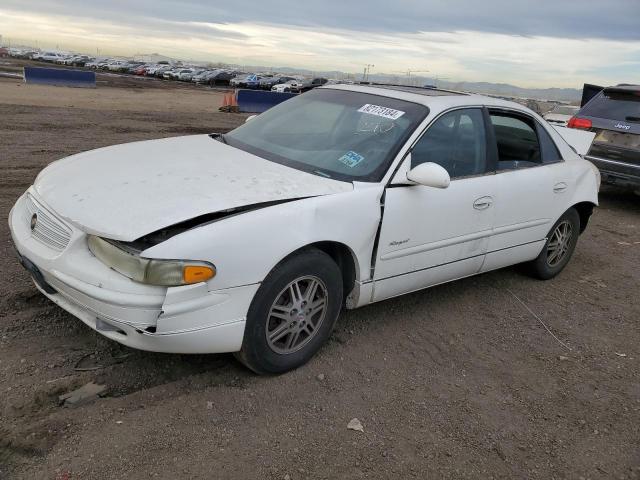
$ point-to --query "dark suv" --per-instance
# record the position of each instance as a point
(614, 116)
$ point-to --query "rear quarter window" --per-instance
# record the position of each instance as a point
(550, 152)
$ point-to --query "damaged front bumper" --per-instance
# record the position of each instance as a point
(187, 319)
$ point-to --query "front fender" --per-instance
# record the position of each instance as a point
(245, 247)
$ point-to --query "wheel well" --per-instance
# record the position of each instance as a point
(584, 209)
(344, 258)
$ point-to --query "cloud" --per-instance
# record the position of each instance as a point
(605, 19)
(494, 40)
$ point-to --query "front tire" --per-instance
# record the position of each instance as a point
(559, 247)
(292, 314)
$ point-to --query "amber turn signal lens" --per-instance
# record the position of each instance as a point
(197, 273)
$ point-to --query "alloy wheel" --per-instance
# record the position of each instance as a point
(560, 243)
(296, 314)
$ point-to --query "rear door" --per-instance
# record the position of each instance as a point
(533, 189)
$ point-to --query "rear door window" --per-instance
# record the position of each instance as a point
(517, 141)
(550, 152)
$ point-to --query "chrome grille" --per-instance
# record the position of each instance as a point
(48, 230)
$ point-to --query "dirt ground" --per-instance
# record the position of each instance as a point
(459, 381)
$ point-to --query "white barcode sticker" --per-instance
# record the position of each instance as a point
(379, 111)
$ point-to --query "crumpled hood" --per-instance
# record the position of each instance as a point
(126, 191)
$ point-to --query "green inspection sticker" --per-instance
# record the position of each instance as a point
(351, 159)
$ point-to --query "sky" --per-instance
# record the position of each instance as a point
(543, 43)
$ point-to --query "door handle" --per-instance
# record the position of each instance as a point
(559, 187)
(483, 203)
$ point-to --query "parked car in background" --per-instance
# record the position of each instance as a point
(161, 70)
(268, 83)
(140, 70)
(182, 71)
(614, 116)
(561, 114)
(99, 64)
(132, 67)
(292, 86)
(186, 77)
(4, 52)
(116, 65)
(48, 56)
(169, 72)
(78, 60)
(221, 78)
(218, 78)
(245, 81)
(313, 83)
(203, 76)
(340, 197)
(152, 69)
(24, 54)
(175, 73)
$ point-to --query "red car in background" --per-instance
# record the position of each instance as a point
(141, 70)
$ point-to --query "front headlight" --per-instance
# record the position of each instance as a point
(167, 273)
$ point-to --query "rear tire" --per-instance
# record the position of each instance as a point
(292, 314)
(559, 247)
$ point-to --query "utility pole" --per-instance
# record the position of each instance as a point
(367, 71)
(408, 73)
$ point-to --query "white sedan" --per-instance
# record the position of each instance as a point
(289, 86)
(561, 115)
(253, 241)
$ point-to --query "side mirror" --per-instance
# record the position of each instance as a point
(429, 174)
(249, 118)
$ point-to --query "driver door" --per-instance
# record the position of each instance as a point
(431, 235)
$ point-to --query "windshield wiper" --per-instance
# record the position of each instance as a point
(318, 172)
(633, 119)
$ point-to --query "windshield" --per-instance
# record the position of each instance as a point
(339, 134)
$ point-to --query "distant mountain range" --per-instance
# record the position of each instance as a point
(504, 89)
(497, 89)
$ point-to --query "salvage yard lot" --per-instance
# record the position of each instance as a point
(460, 381)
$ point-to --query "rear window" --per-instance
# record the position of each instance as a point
(614, 106)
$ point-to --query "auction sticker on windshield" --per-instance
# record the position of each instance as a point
(379, 111)
(351, 159)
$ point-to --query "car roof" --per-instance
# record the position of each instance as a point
(434, 98)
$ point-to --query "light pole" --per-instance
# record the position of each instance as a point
(367, 70)
(408, 73)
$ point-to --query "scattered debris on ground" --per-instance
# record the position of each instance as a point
(354, 424)
(85, 394)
